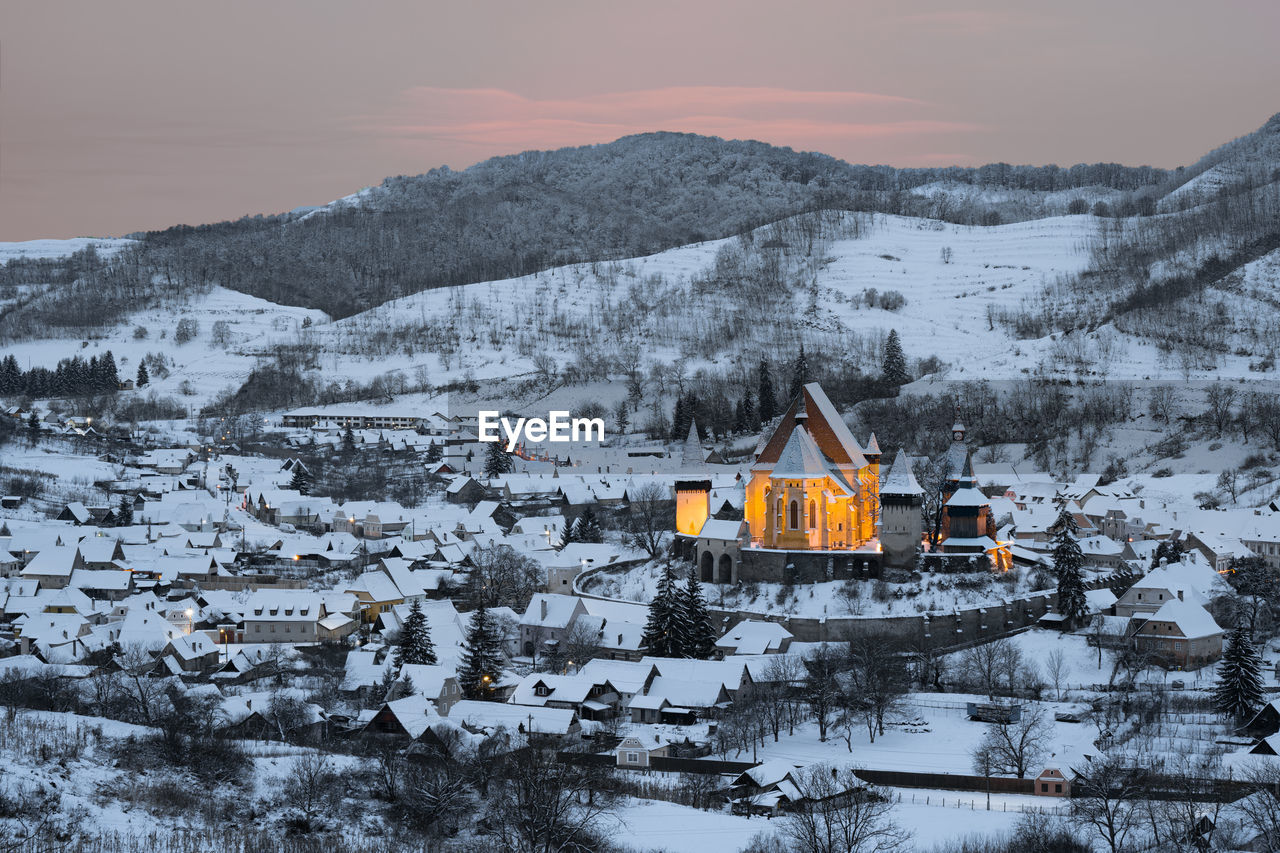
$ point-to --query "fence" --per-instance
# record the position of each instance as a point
(947, 781)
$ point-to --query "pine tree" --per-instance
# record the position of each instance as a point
(348, 441)
(768, 400)
(621, 417)
(750, 419)
(799, 374)
(665, 632)
(124, 513)
(414, 645)
(496, 460)
(894, 368)
(1068, 564)
(143, 376)
(570, 534)
(701, 636)
(434, 453)
(1239, 689)
(1170, 550)
(33, 428)
(588, 527)
(301, 480)
(108, 374)
(481, 662)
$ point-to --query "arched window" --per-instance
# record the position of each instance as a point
(795, 515)
(813, 514)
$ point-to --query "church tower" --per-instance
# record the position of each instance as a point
(900, 521)
(693, 489)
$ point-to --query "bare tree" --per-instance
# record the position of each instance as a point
(821, 686)
(545, 805)
(312, 787)
(650, 513)
(1105, 797)
(879, 678)
(841, 814)
(1219, 398)
(1017, 747)
(146, 694)
(987, 663)
(1055, 665)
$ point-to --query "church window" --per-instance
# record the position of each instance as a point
(795, 515)
(813, 514)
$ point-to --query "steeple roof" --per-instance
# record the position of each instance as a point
(802, 459)
(900, 480)
(692, 457)
(968, 494)
(873, 446)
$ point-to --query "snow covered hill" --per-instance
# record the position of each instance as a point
(943, 287)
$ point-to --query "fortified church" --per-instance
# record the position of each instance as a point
(816, 507)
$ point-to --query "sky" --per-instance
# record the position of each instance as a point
(137, 114)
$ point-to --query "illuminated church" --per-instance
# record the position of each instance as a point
(811, 510)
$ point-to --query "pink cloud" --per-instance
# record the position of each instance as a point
(494, 120)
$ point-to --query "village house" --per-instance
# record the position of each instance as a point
(547, 621)
(283, 616)
(1180, 635)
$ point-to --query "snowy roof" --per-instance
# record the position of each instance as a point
(486, 715)
(550, 610)
(427, 679)
(900, 480)
(1192, 619)
(753, 637)
(716, 528)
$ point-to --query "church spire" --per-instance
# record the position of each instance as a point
(691, 457)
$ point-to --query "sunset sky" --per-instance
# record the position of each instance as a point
(128, 115)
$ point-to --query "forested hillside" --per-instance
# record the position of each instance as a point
(514, 215)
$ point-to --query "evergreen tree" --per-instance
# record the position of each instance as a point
(588, 527)
(10, 376)
(701, 636)
(750, 418)
(1068, 564)
(414, 645)
(33, 428)
(799, 374)
(1239, 690)
(434, 453)
(348, 441)
(108, 375)
(1169, 550)
(124, 512)
(496, 460)
(665, 632)
(570, 534)
(300, 482)
(481, 662)
(894, 367)
(768, 400)
(621, 417)
(739, 418)
(143, 377)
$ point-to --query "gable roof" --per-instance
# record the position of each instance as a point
(826, 426)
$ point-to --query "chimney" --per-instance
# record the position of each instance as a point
(544, 610)
(1180, 595)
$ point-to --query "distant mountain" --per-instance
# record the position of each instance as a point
(514, 215)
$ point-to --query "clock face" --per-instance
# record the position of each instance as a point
(958, 435)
